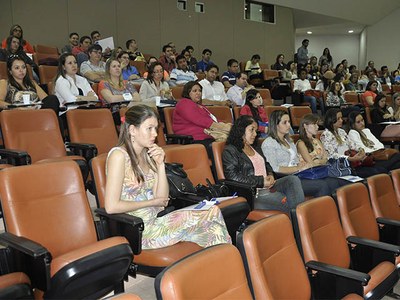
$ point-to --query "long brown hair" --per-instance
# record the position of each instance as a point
(135, 116)
(307, 120)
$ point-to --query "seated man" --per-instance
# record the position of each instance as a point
(303, 86)
(73, 42)
(168, 59)
(237, 93)
(94, 68)
(133, 50)
(229, 77)
(96, 36)
(205, 61)
(181, 75)
(81, 51)
(213, 91)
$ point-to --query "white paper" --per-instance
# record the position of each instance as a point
(107, 42)
(352, 178)
(390, 123)
(287, 105)
(206, 206)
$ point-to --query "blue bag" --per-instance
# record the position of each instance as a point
(339, 167)
(318, 172)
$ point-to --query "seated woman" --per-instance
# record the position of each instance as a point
(335, 98)
(70, 87)
(14, 47)
(253, 67)
(279, 64)
(192, 118)
(352, 84)
(17, 31)
(152, 60)
(336, 144)
(396, 106)
(137, 185)
(114, 88)
(128, 72)
(155, 85)
(290, 72)
(244, 162)
(280, 151)
(362, 138)
(254, 107)
(382, 113)
(19, 84)
(371, 90)
(308, 146)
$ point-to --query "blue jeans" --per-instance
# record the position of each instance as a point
(286, 194)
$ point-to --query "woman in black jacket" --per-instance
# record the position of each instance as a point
(245, 163)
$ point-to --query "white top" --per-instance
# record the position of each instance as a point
(148, 91)
(356, 142)
(235, 94)
(181, 76)
(301, 85)
(66, 89)
(214, 91)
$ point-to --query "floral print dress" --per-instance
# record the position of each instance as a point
(205, 228)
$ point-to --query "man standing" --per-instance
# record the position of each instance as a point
(302, 54)
(168, 60)
(205, 61)
(182, 75)
(213, 91)
(237, 93)
(94, 68)
(229, 77)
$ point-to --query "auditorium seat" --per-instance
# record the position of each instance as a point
(15, 286)
(216, 272)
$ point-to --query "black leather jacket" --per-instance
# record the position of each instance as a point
(238, 166)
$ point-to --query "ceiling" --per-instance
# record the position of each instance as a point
(328, 17)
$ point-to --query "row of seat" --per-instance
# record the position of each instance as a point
(274, 264)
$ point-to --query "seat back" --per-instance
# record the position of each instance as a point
(47, 73)
(217, 149)
(177, 92)
(266, 96)
(222, 113)
(35, 131)
(266, 247)
(396, 183)
(322, 237)
(213, 273)
(194, 159)
(383, 197)
(98, 173)
(46, 49)
(168, 118)
(270, 109)
(270, 74)
(351, 98)
(3, 70)
(52, 207)
(356, 212)
(140, 66)
(297, 113)
(92, 126)
(45, 58)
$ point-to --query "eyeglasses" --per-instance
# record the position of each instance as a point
(17, 29)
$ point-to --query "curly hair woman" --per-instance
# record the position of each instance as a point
(244, 162)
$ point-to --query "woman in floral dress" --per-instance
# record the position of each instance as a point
(137, 184)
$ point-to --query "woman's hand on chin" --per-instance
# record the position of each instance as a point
(157, 154)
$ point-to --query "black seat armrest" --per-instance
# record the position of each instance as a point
(29, 257)
(361, 277)
(179, 139)
(88, 151)
(126, 225)
(390, 222)
(15, 157)
(395, 249)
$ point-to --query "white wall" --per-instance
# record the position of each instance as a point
(383, 43)
(340, 46)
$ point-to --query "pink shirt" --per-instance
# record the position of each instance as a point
(258, 164)
(190, 118)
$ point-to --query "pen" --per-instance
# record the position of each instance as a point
(234, 194)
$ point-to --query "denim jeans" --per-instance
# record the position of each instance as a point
(286, 194)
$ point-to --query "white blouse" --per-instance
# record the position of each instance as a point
(66, 89)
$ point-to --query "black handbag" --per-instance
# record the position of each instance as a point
(339, 167)
(178, 181)
(212, 190)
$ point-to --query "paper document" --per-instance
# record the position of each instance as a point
(107, 42)
(352, 178)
